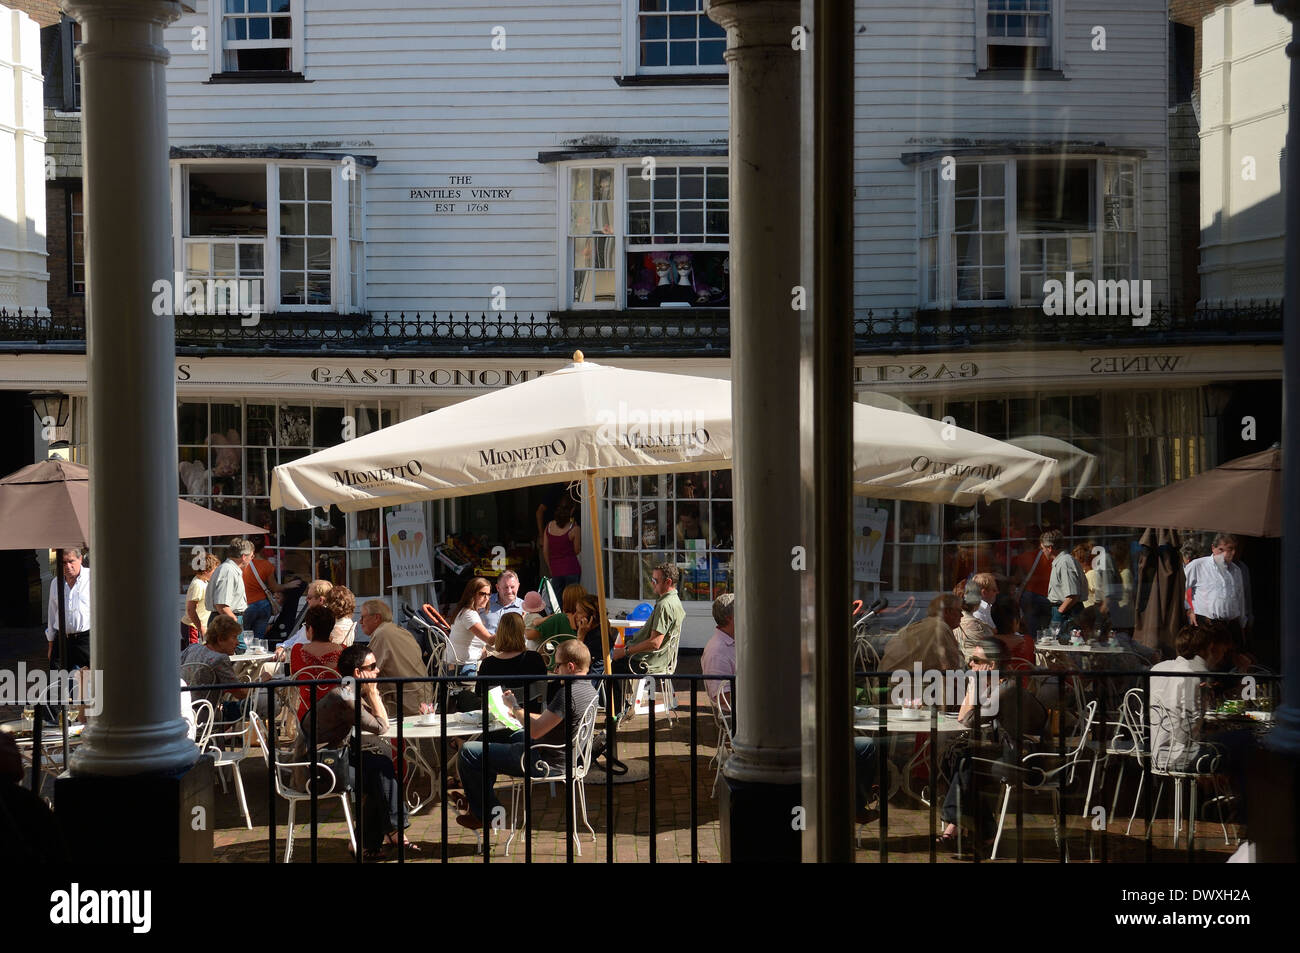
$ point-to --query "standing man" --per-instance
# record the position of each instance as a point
(1067, 587)
(76, 607)
(261, 590)
(1034, 571)
(504, 599)
(720, 654)
(1217, 589)
(226, 595)
(658, 638)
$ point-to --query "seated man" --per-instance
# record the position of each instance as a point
(335, 714)
(929, 641)
(398, 655)
(720, 654)
(504, 599)
(656, 645)
(208, 663)
(481, 763)
(973, 629)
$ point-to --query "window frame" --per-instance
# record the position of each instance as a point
(946, 236)
(217, 48)
(631, 48)
(341, 296)
(69, 40)
(1055, 43)
(619, 166)
(72, 217)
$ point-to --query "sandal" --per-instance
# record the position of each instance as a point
(411, 847)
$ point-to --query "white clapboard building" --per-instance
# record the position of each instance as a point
(421, 200)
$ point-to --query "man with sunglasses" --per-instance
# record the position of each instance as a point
(335, 714)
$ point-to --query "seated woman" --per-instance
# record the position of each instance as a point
(469, 637)
(1006, 626)
(510, 657)
(1002, 708)
(317, 653)
(342, 603)
(563, 622)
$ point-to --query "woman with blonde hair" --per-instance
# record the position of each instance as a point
(509, 657)
(340, 601)
(194, 624)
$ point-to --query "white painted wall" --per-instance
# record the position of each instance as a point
(1243, 134)
(23, 274)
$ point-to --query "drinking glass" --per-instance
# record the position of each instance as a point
(29, 719)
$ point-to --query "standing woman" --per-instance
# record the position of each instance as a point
(561, 544)
(194, 624)
(469, 636)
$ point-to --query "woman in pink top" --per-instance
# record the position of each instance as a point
(561, 544)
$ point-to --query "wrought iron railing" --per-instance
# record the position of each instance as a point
(705, 333)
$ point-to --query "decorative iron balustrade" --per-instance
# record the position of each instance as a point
(705, 333)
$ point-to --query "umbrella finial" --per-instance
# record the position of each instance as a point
(577, 357)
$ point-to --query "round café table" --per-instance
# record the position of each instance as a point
(868, 720)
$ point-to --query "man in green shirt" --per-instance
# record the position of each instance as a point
(655, 650)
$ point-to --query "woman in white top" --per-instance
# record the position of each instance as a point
(469, 636)
(194, 625)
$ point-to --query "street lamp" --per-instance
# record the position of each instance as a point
(51, 406)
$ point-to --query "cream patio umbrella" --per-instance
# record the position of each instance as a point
(587, 420)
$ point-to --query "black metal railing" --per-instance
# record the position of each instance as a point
(706, 333)
(1076, 768)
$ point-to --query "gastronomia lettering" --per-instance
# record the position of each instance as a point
(407, 470)
(986, 471)
(494, 457)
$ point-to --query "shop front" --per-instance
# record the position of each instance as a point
(1134, 420)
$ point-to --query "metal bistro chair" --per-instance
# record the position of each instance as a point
(1179, 756)
(550, 774)
(285, 788)
(721, 707)
(1053, 780)
(1128, 743)
(227, 739)
(657, 687)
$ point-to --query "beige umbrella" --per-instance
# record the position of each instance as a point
(587, 420)
(1078, 466)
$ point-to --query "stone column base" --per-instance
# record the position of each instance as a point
(761, 822)
(143, 819)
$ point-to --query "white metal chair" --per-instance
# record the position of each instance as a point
(1128, 743)
(283, 772)
(549, 774)
(227, 739)
(865, 656)
(721, 707)
(1053, 780)
(1177, 755)
(656, 687)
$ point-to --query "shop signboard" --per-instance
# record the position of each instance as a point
(869, 525)
(408, 548)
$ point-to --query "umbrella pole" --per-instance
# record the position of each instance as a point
(600, 565)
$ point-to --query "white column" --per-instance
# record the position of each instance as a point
(765, 230)
(130, 352)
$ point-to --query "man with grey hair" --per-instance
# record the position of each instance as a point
(504, 600)
(226, 595)
(720, 654)
(76, 612)
(1218, 589)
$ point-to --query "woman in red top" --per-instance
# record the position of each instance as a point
(316, 656)
(561, 544)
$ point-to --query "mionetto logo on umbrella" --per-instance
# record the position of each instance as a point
(986, 471)
(654, 428)
(377, 476)
(493, 456)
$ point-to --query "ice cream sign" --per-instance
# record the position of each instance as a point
(408, 548)
(869, 526)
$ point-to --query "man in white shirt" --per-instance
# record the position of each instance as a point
(505, 599)
(1217, 588)
(988, 587)
(1175, 701)
(76, 607)
(720, 654)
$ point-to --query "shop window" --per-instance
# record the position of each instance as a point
(679, 518)
(670, 36)
(996, 231)
(76, 244)
(70, 40)
(1017, 34)
(656, 239)
(257, 36)
(273, 226)
(227, 453)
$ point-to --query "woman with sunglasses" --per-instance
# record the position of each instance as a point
(469, 636)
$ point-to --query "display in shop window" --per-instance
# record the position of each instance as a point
(681, 279)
